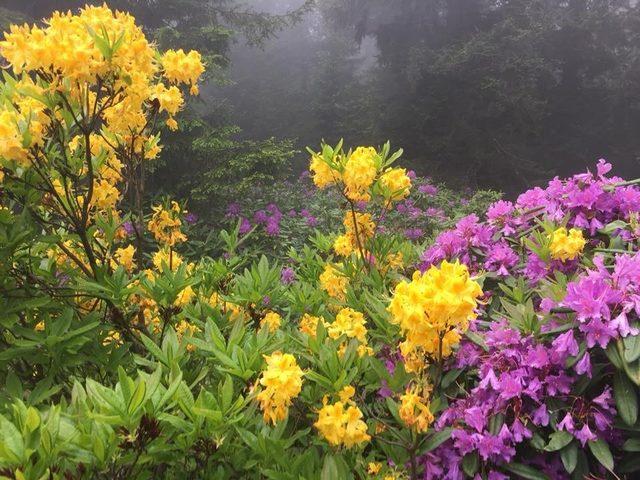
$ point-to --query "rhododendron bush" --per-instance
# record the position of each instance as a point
(507, 347)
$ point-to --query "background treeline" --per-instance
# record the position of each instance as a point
(496, 94)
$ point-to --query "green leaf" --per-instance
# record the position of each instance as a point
(632, 445)
(631, 348)
(137, 398)
(558, 440)
(525, 471)
(329, 469)
(470, 463)
(437, 439)
(600, 450)
(11, 443)
(626, 398)
(569, 457)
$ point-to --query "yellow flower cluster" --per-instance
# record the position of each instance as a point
(323, 175)
(124, 257)
(272, 320)
(351, 324)
(282, 382)
(341, 423)
(414, 412)
(234, 310)
(359, 173)
(434, 309)
(181, 67)
(358, 232)
(333, 281)
(22, 121)
(396, 183)
(165, 224)
(566, 245)
(309, 324)
(102, 63)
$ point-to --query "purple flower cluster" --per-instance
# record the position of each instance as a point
(516, 374)
(587, 201)
(603, 300)
(269, 218)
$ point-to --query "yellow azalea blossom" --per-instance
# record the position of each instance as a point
(343, 246)
(414, 412)
(342, 426)
(165, 224)
(113, 337)
(181, 67)
(322, 174)
(346, 393)
(184, 297)
(359, 173)
(39, 327)
(363, 225)
(373, 468)
(333, 282)
(435, 308)
(566, 245)
(309, 324)
(272, 320)
(396, 183)
(281, 382)
(166, 258)
(184, 328)
(350, 323)
(124, 257)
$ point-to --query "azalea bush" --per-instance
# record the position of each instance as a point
(506, 346)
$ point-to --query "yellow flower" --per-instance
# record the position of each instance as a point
(435, 308)
(323, 175)
(309, 324)
(343, 246)
(396, 183)
(166, 258)
(11, 138)
(333, 282)
(350, 323)
(373, 468)
(414, 412)
(272, 320)
(342, 426)
(566, 246)
(105, 195)
(364, 225)
(282, 382)
(124, 257)
(184, 297)
(359, 173)
(346, 393)
(165, 224)
(184, 328)
(39, 327)
(181, 67)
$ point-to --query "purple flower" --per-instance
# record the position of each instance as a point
(260, 216)
(272, 227)
(428, 189)
(287, 275)
(233, 209)
(191, 218)
(583, 366)
(128, 227)
(245, 226)
(566, 344)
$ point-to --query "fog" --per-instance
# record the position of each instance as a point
(498, 94)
